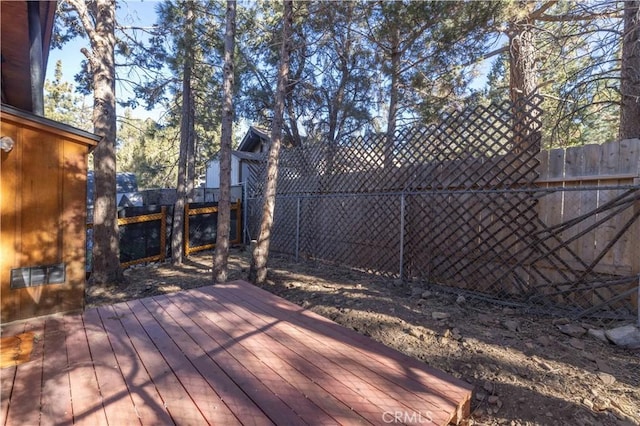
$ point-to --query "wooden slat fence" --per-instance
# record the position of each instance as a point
(600, 185)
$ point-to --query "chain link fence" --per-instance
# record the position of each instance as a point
(472, 206)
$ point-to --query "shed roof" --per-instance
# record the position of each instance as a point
(27, 119)
(14, 45)
(250, 156)
(253, 137)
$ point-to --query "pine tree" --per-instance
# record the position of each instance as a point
(260, 255)
(224, 203)
(62, 104)
(97, 20)
(630, 72)
(185, 184)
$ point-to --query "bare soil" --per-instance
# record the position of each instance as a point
(524, 370)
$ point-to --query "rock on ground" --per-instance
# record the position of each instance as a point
(627, 336)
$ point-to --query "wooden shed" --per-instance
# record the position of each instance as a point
(43, 215)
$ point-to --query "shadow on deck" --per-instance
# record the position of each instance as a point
(225, 354)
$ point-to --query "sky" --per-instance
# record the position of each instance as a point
(132, 13)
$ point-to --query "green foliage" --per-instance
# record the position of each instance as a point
(167, 47)
(149, 150)
(62, 104)
(577, 69)
(436, 42)
(341, 75)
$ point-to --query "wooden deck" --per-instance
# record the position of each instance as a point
(225, 354)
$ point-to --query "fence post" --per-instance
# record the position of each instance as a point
(185, 237)
(636, 237)
(245, 213)
(402, 207)
(163, 233)
(298, 228)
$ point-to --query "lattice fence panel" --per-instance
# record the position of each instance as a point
(458, 205)
(362, 232)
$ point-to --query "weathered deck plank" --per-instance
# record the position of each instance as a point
(148, 405)
(27, 384)
(55, 404)
(412, 382)
(117, 402)
(225, 354)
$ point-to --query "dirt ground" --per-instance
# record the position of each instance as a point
(524, 370)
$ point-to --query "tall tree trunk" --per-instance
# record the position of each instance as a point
(394, 96)
(630, 72)
(192, 153)
(522, 77)
(36, 61)
(258, 270)
(522, 60)
(186, 133)
(99, 24)
(224, 203)
(296, 139)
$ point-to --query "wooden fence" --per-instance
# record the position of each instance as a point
(192, 245)
(197, 238)
(470, 204)
(597, 192)
(565, 238)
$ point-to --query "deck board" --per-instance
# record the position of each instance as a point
(118, 404)
(201, 394)
(225, 354)
(442, 394)
(200, 329)
(317, 368)
(246, 411)
(312, 402)
(147, 403)
(334, 375)
(8, 374)
(27, 383)
(55, 403)
(85, 393)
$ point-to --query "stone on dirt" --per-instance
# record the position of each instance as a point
(543, 340)
(416, 291)
(460, 300)
(606, 378)
(603, 366)
(573, 330)
(598, 334)
(576, 343)
(440, 315)
(627, 336)
(511, 325)
(426, 294)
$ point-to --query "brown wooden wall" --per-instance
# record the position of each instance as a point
(43, 214)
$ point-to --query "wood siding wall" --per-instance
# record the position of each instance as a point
(43, 215)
